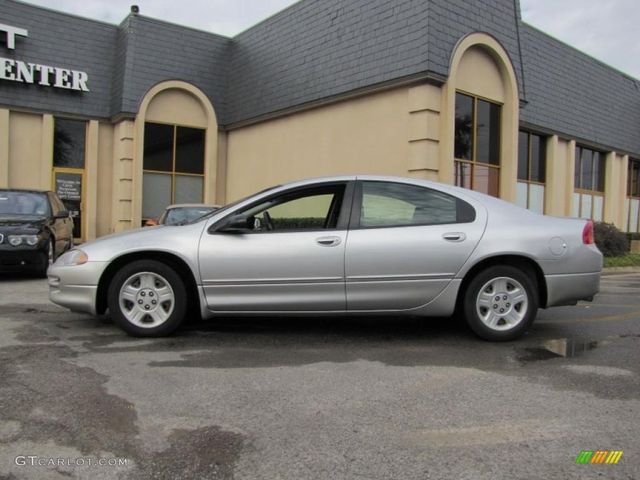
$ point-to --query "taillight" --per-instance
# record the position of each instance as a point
(587, 233)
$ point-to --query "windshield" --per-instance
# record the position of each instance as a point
(182, 215)
(23, 203)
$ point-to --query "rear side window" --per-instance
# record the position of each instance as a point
(386, 204)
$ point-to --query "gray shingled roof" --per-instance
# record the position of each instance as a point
(570, 92)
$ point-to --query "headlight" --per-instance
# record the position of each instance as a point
(30, 239)
(17, 240)
(72, 258)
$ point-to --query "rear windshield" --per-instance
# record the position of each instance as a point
(23, 203)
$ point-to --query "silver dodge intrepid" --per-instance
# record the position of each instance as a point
(342, 245)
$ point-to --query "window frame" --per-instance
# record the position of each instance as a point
(584, 191)
(343, 215)
(473, 162)
(633, 162)
(354, 222)
(528, 182)
(173, 173)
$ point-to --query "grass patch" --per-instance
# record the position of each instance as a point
(628, 260)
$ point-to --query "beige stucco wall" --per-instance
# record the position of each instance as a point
(363, 135)
(26, 166)
(615, 189)
(479, 74)
(105, 180)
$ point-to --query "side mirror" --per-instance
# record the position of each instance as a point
(238, 224)
(62, 214)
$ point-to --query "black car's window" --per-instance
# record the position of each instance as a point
(386, 204)
(24, 203)
(310, 209)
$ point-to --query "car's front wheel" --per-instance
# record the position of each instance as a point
(49, 258)
(500, 303)
(147, 298)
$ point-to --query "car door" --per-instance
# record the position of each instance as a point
(291, 260)
(406, 243)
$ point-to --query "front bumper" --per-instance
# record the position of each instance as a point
(568, 289)
(23, 258)
(75, 287)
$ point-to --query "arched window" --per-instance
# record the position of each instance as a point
(477, 144)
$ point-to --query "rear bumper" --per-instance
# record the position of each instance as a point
(568, 289)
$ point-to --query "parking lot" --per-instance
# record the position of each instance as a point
(382, 398)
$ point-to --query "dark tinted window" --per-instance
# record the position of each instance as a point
(633, 189)
(189, 150)
(158, 147)
(523, 156)
(464, 127)
(532, 158)
(590, 169)
(394, 204)
(488, 133)
(69, 143)
(538, 159)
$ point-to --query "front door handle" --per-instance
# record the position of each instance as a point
(454, 237)
(329, 241)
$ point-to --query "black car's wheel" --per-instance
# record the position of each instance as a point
(500, 303)
(49, 258)
(147, 298)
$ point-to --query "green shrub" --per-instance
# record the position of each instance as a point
(611, 241)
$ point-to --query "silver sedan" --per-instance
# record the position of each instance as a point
(342, 245)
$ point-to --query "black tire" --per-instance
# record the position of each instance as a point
(526, 310)
(49, 258)
(168, 274)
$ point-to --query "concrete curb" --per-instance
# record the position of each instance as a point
(620, 270)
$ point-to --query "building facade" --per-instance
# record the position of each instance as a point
(123, 120)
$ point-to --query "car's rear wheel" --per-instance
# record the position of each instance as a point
(501, 303)
(147, 298)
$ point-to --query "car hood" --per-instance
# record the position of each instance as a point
(15, 221)
(180, 240)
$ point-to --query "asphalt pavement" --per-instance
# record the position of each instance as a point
(301, 398)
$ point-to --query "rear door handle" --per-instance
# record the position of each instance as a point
(454, 237)
(329, 241)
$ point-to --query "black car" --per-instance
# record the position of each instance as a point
(35, 229)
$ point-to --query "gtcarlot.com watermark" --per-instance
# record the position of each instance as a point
(55, 462)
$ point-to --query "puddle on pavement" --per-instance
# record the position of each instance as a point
(560, 348)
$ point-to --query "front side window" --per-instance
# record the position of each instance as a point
(395, 204)
(531, 171)
(588, 197)
(173, 167)
(633, 197)
(314, 209)
(477, 144)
